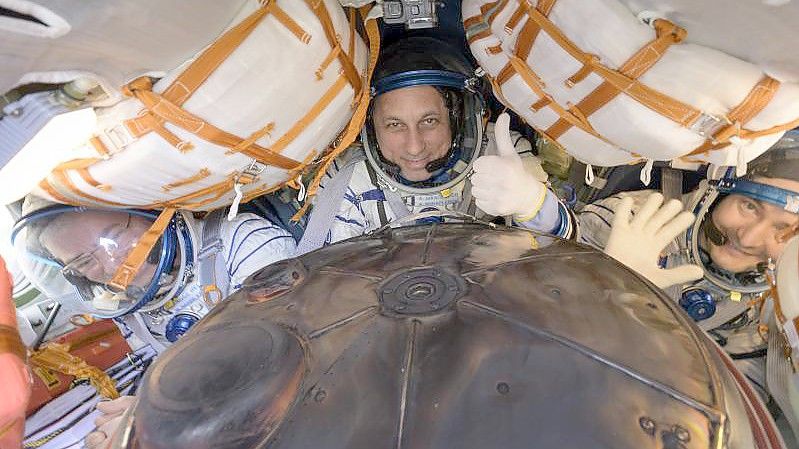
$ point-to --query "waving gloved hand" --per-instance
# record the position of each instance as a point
(501, 185)
(638, 241)
(109, 421)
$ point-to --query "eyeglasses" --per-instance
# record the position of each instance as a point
(101, 263)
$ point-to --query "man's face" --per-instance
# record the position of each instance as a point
(412, 129)
(95, 243)
(753, 229)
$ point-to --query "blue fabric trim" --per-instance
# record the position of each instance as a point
(590, 212)
(785, 199)
(548, 217)
(235, 233)
(350, 221)
(231, 254)
(233, 272)
(372, 195)
(563, 225)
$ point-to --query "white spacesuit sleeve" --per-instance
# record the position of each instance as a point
(595, 219)
(549, 218)
(250, 243)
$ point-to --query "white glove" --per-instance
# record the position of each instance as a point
(638, 242)
(108, 422)
(501, 185)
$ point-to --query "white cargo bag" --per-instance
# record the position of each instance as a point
(622, 81)
(246, 115)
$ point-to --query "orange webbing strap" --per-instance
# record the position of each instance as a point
(488, 13)
(201, 68)
(289, 23)
(334, 53)
(135, 259)
(81, 167)
(59, 181)
(667, 35)
(526, 38)
(541, 104)
(99, 147)
(200, 175)
(76, 164)
(319, 8)
(166, 107)
(358, 117)
(497, 89)
(10, 342)
(534, 83)
(89, 179)
(184, 202)
(754, 102)
(664, 105)
(514, 19)
(200, 198)
(265, 130)
(146, 122)
(60, 173)
(56, 357)
(61, 178)
(524, 43)
(292, 176)
(472, 22)
(190, 79)
(747, 134)
(310, 116)
(45, 185)
(351, 17)
(164, 110)
(495, 12)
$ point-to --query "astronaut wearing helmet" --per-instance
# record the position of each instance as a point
(156, 274)
(94, 248)
(712, 256)
(425, 133)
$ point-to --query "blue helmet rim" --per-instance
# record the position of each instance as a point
(785, 199)
(412, 78)
(165, 260)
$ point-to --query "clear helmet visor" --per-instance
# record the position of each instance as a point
(88, 248)
(424, 134)
(733, 237)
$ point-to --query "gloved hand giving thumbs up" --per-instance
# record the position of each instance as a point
(501, 185)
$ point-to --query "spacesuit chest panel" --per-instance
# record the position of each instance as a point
(448, 199)
(172, 320)
(366, 196)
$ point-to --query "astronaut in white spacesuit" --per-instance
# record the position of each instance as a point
(175, 278)
(423, 136)
(714, 256)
